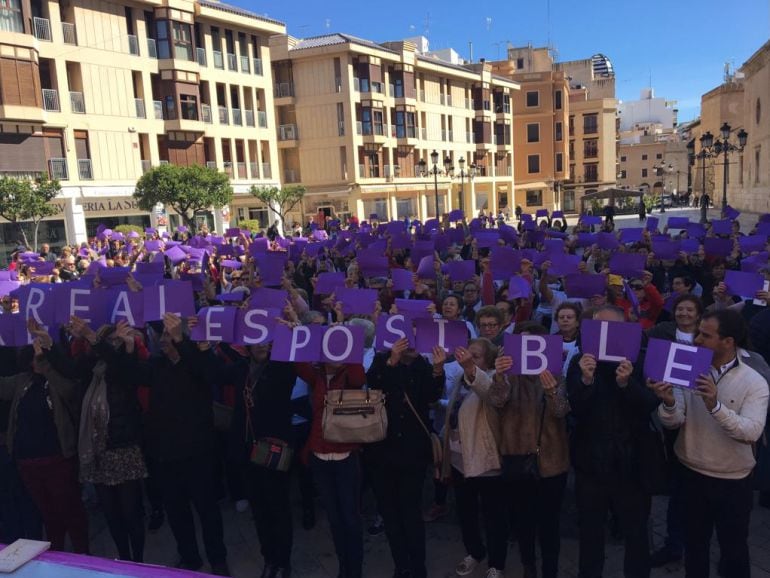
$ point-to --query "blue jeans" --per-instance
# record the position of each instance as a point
(339, 483)
(19, 518)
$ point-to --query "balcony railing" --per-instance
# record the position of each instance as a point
(442, 99)
(237, 117)
(152, 48)
(262, 119)
(443, 134)
(254, 170)
(85, 170)
(51, 100)
(69, 34)
(211, 165)
(291, 176)
(424, 133)
(245, 64)
(267, 172)
(450, 135)
(470, 137)
(257, 66)
(219, 61)
(283, 89)
(161, 163)
(387, 171)
(371, 172)
(232, 61)
(356, 84)
(338, 83)
(249, 117)
(341, 127)
(58, 169)
(223, 116)
(146, 166)
(228, 168)
(241, 168)
(157, 105)
(287, 132)
(133, 44)
(421, 94)
(200, 56)
(77, 103)
(42, 28)
(140, 110)
(206, 113)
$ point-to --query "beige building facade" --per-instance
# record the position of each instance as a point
(755, 175)
(96, 93)
(359, 121)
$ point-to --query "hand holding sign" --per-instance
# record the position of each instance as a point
(548, 382)
(503, 364)
(397, 351)
(623, 372)
(172, 324)
(587, 365)
(707, 390)
(664, 391)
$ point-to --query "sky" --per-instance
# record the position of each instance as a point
(678, 46)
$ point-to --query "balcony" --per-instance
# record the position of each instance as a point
(146, 166)
(371, 172)
(133, 45)
(206, 113)
(291, 176)
(152, 48)
(341, 127)
(470, 138)
(469, 104)
(211, 165)
(237, 117)
(58, 169)
(157, 105)
(140, 110)
(287, 132)
(284, 89)
(51, 100)
(338, 84)
(446, 99)
(68, 33)
(241, 170)
(245, 64)
(162, 162)
(228, 168)
(443, 134)
(262, 119)
(223, 115)
(85, 170)
(249, 116)
(267, 172)
(200, 56)
(254, 170)
(256, 64)
(232, 62)
(424, 133)
(219, 61)
(77, 103)
(421, 95)
(41, 27)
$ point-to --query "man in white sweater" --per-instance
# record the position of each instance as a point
(714, 445)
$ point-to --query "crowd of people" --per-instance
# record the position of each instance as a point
(125, 415)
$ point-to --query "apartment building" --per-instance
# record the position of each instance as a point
(359, 122)
(96, 93)
(752, 191)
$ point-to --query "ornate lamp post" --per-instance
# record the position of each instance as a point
(725, 147)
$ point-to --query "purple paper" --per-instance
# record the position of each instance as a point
(157, 269)
(230, 264)
(356, 301)
(716, 247)
(153, 245)
(415, 308)
(391, 328)
(372, 265)
(328, 282)
(441, 332)
(519, 288)
(504, 261)
(486, 239)
(268, 298)
(403, 280)
(611, 340)
(125, 305)
(112, 276)
(301, 343)
(271, 266)
(176, 255)
(255, 325)
(696, 230)
(541, 213)
(731, 213)
(425, 268)
(585, 285)
(679, 364)
(557, 215)
(689, 246)
(752, 243)
(461, 270)
(665, 249)
(86, 303)
(508, 234)
(586, 239)
(564, 264)
(652, 223)
(526, 217)
(631, 235)
(607, 241)
(678, 222)
(743, 284)
(590, 220)
(343, 344)
(532, 354)
(169, 296)
(755, 263)
(259, 245)
(42, 302)
(722, 227)
(456, 215)
(627, 264)
(233, 232)
(214, 324)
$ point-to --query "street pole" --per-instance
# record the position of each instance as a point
(462, 182)
(703, 204)
(435, 188)
(724, 180)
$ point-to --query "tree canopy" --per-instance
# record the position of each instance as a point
(280, 201)
(186, 189)
(25, 200)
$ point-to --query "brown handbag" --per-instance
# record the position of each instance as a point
(354, 416)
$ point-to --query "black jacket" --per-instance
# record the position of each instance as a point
(407, 443)
(610, 421)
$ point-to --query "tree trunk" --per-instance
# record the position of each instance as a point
(23, 234)
(37, 225)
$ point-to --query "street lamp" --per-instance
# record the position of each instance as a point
(690, 164)
(659, 171)
(461, 163)
(434, 156)
(706, 142)
(725, 146)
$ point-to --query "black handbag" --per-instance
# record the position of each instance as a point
(524, 467)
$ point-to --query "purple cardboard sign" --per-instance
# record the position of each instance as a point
(268, 298)
(752, 243)
(125, 305)
(607, 241)
(519, 288)
(696, 231)
(403, 280)
(356, 301)
(112, 276)
(679, 364)
(627, 264)
(485, 239)
(461, 270)
(715, 247)
(414, 308)
(425, 268)
(508, 234)
(585, 285)
(456, 215)
(631, 235)
(391, 328)
(541, 213)
(611, 341)
(233, 232)
(371, 265)
(259, 245)
(343, 344)
(586, 239)
(255, 325)
(157, 269)
(271, 266)
(230, 264)
(328, 282)
(442, 332)
(652, 223)
(557, 215)
(169, 296)
(153, 245)
(300, 343)
(176, 255)
(731, 213)
(590, 220)
(214, 324)
(665, 249)
(755, 263)
(42, 302)
(504, 261)
(532, 354)
(563, 264)
(678, 222)
(689, 246)
(722, 227)
(742, 283)
(84, 302)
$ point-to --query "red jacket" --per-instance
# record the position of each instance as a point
(650, 307)
(345, 377)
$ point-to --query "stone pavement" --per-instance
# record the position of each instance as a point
(313, 555)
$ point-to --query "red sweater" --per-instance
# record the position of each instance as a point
(345, 377)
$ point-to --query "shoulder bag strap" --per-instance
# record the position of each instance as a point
(540, 432)
(417, 415)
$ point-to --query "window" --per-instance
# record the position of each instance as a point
(644, 173)
(534, 198)
(757, 108)
(559, 131)
(519, 63)
(161, 31)
(188, 106)
(644, 157)
(623, 159)
(343, 162)
(182, 41)
(337, 75)
(411, 131)
(591, 148)
(572, 126)
(533, 132)
(659, 156)
(398, 85)
(591, 172)
(10, 16)
(340, 119)
(590, 123)
(533, 164)
(533, 98)
(378, 130)
(623, 174)
(366, 121)
(557, 100)
(559, 162)
(756, 165)
(572, 149)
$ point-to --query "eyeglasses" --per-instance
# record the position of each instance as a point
(489, 325)
(637, 287)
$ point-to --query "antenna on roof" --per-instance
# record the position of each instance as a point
(426, 32)
(328, 23)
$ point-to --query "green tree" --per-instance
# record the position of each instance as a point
(187, 189)
(280, 201)
(27, 201)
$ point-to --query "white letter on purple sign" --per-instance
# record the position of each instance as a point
(325, 344)
(441, 331)
(162, 304)
(603, 355)
(34, 304)
(211, 325)
(295, 342)
(247, 321)
(395, 331)
(122, 309)
(527, 353)
(671, 364)
(75, 309)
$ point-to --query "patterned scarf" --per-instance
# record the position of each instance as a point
(92, 438)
